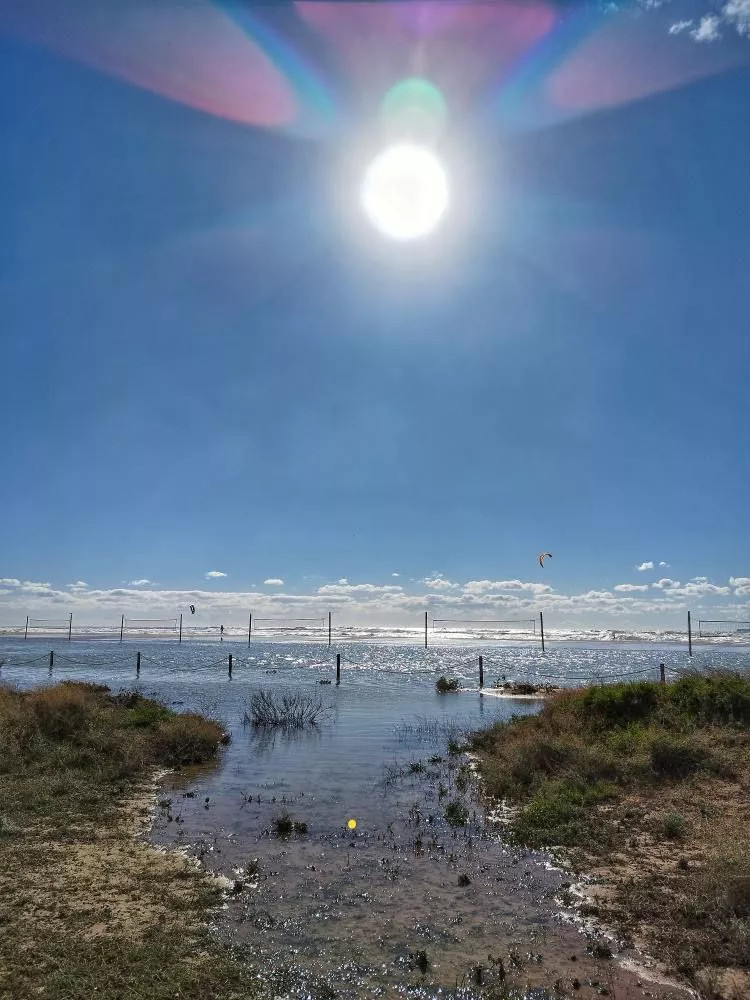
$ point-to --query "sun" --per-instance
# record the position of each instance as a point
(405, 192)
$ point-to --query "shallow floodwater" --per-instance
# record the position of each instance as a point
(405, 902)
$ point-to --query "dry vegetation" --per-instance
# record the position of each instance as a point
(647, 787)
(85, 910)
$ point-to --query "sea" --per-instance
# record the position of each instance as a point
(380, 892)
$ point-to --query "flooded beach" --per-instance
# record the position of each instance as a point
(393, 880)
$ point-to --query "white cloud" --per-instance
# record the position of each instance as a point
(274, 581)
(343, 582)
(663, 564)
(139, 583)
(627, 588)
(741, 585)
(214, 574)
(644, 566)
(78, 585)
(680, 26)
(737, 12)
(438, 582)
(395, 574)
(700, 579)
(8, 581)
(708, 29)
(477, 587)
(665, 583)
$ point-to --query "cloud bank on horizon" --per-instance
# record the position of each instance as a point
(661, 603)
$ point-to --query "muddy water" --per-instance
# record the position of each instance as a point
(406, 903)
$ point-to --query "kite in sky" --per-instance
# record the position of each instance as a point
(192, 609)
(543, 556)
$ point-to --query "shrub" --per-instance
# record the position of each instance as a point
(621, 704)
(676, 758)
(62, 710)
(445, 686)
(560, 813)
(721, 697)
(673, 826)
(285, 710)
(456, 813)
(187, 739)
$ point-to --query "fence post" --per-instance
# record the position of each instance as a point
(541, 628)
(338, 668)
(230, 666)
(70, 626)
(180, 639)
(249, 628)
(690, 637)
(425, 630)
(51, 660)
(137, 664)
(662, 679)
(122, 626)
(481, 672)
(26, 631)
(329, 628)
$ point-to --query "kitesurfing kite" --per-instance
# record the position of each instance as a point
(543, 556)
(192, 609)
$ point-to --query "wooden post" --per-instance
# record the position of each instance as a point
(122, 626)
(250, 628)
(425, 630)
(541, 628)
(481, 672)
(329, 628)
(51, 660)
(180, 639)
(26, 631)
(230, 666)
(137, 664)
(338, 668)
(690, 637)
(662, 679)
(70, 626)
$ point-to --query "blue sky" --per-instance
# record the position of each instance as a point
(211, 363)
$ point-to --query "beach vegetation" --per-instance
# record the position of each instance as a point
(286, 710)
(628, 776)
(456, 813)
(284, 825)
(95, 907)
(445, 686)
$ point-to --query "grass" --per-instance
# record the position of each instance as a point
(649, 785)
(285, 710)
(100, 912)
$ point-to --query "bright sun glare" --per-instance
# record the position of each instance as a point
(405, 192)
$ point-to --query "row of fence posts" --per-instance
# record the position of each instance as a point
(330, 630)
(662, 677)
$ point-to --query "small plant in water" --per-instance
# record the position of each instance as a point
(455, 813)
(416, 767)
(445, 686)
(283, 825)
(285, 710)
(420, 961)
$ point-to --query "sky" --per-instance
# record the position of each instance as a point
(221, 385)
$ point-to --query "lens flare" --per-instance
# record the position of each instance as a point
(414, 109)
(352, 824)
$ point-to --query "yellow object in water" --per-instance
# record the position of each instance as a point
(352, 824)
